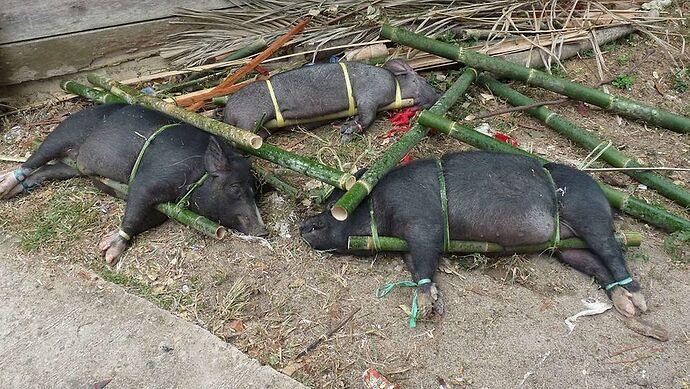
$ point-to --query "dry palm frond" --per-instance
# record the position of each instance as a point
(347, 21)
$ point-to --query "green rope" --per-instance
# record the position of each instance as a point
(622, 282)
(372, 223)
(183, 202)
(148, 141)
(444, 205)
(384, 289)
(556, 238)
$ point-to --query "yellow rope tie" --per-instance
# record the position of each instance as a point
(351, 108)
(398, 103)
(279, 116)
(124, 235)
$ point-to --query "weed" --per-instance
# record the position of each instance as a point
(447, 37)
(558, 71)
(624, 81)
(587, 53)
(677, 245)
(640, 256)
(623, 59)
(681, 80)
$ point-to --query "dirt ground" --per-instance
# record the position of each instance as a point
(504, 321)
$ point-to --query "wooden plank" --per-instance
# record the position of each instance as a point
(66, 54)
(24, 20)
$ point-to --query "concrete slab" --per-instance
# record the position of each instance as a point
(64, 329)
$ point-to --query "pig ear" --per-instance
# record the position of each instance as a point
(215, 159)
(399, 67)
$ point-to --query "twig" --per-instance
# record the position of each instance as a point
(516, 109)
(328, 334)
(616, 169)
(7, 158)
(653, 353)
(629, 348)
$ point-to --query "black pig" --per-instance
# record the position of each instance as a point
(106, 140)
(321, 89)
(501, 198)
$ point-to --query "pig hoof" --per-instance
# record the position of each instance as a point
(428, 301)
(622, 300)
(112, 246)
(639, 301)
(9, 186)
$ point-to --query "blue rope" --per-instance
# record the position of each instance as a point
(384, 289)
(622, 282)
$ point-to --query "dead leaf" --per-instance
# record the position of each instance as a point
(236, 325)
(291, 368)
(158, 290)
(582, 109)
(296, 283)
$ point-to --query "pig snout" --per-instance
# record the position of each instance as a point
(251, 223)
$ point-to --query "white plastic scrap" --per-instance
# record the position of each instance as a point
(593, 307)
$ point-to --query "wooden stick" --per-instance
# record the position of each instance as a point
(224, 86)
(328, 334)
(616, 169)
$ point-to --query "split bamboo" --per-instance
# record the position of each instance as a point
(390, 243)
(383, 164)
(566, 128)
(623, 201)
(96, 95)
(533, 77)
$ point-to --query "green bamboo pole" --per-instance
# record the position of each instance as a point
(171, 210)
(533, 77)
(276, 182)
(234, 134)
(251, 49)
(390, 243)
(571, 131)
(306, 166)
(623, 201)
(384, 163)
(99, 96)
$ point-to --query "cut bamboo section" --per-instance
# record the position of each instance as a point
(623, 201)
(306, 166)
(234, 134)
(533, 77)
(383, 164)
(390, 243)
(611, 155)
(98, 96)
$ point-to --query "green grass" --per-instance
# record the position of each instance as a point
(677, 245)
(587, 53)
(624, 81)
(64, 220)
(623, 59)
(558, 71)
(681, 80)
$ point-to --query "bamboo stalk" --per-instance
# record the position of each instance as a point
(303, 165)
(611, 155)
(623, 201)
(390, 243)
(306, 166)
(171, 210)
(234, 134)
(246, 51)
(533, 77)
(276, 182)
(99, 96)
(223, 87)
(384, 163)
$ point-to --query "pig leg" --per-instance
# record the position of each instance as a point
(586, 262)
(366, 114)
(140, 215)
(57, 144)
(422, 262)
(56, 172)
